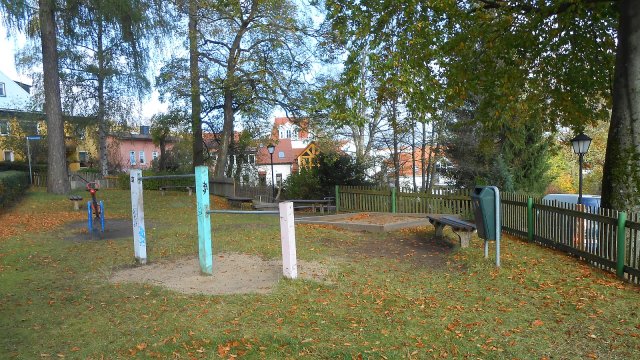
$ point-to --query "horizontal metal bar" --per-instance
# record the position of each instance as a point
(252, 212)
(168, 176)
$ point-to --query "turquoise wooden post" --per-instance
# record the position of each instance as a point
(622, 220)
(204, 221)
(530, 219)
(337, 198)
(393, 200)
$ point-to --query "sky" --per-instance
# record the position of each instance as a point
(8, 46)
(7, 51)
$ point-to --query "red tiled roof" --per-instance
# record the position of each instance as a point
(284, 145)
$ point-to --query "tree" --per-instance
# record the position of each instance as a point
(161, 129)
(253, 56)
(621, 173)
(96, 37)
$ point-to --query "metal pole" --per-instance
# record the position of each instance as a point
(273, 182)
(580, 156)
(29, 157)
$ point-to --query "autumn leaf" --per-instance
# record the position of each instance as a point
(537, 322)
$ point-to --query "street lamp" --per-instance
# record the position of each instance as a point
(580, 145)
(271, 148)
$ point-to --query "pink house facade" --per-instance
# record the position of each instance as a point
(132, 151)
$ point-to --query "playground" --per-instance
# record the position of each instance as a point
(358, 294)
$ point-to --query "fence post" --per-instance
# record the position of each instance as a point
(622, 220)
(530, 219)
(393, 200)
(337, 198)
(204, 220)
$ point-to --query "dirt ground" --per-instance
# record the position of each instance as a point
(232, 274)
(241, 273)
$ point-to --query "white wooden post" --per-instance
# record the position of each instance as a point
(288, 238)
(137, 217)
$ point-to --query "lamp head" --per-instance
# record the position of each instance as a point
(581, 143)
(271, 148)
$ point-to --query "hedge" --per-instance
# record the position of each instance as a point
(154, 184)
(22, 166)
(13, 184)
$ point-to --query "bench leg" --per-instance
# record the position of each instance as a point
(163, 192)
(465, 238)
(190, 191)
(439, 230)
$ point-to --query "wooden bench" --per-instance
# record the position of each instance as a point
(315, 204)
(460, 227)
(240, 201)
(176, 187)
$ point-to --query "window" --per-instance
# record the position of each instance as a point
(279, 180)
(83, 159)
(288, 134)
(154, 155)
(4, 127)
(132, 157)
(8, 155)
(141, 157)
(251, 159)
(2, 91)
(281, 154)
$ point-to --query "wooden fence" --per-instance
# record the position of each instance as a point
(225, 187)
(606, 238)
(360, 198)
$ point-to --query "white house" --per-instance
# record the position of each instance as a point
(14, 99)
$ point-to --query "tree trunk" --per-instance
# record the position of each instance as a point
(57, 175)
(413, 155)
(423, 157)
(102, 126)
(227, 134)
(194, 73)
(621, 173)
(396, 143)
(162, 163)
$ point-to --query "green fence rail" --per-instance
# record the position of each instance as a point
(606, 238)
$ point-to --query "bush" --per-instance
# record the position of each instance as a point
(330, 169)
(13, 184)
(154, 184)
(22, 166)
(303, 185)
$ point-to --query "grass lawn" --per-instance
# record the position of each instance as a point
(56, 299)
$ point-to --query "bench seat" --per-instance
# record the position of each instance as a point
(462, 228)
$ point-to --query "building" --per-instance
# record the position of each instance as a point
(128, 150)
(294, 148)
(15, 118)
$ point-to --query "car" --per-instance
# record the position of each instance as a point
(590, 234)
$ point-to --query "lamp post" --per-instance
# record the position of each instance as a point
(271, 148)
(580, 145)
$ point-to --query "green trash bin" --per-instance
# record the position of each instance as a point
(483, 199)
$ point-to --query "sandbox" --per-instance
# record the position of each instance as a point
(369, 221)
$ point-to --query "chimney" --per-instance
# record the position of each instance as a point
(144, 130)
